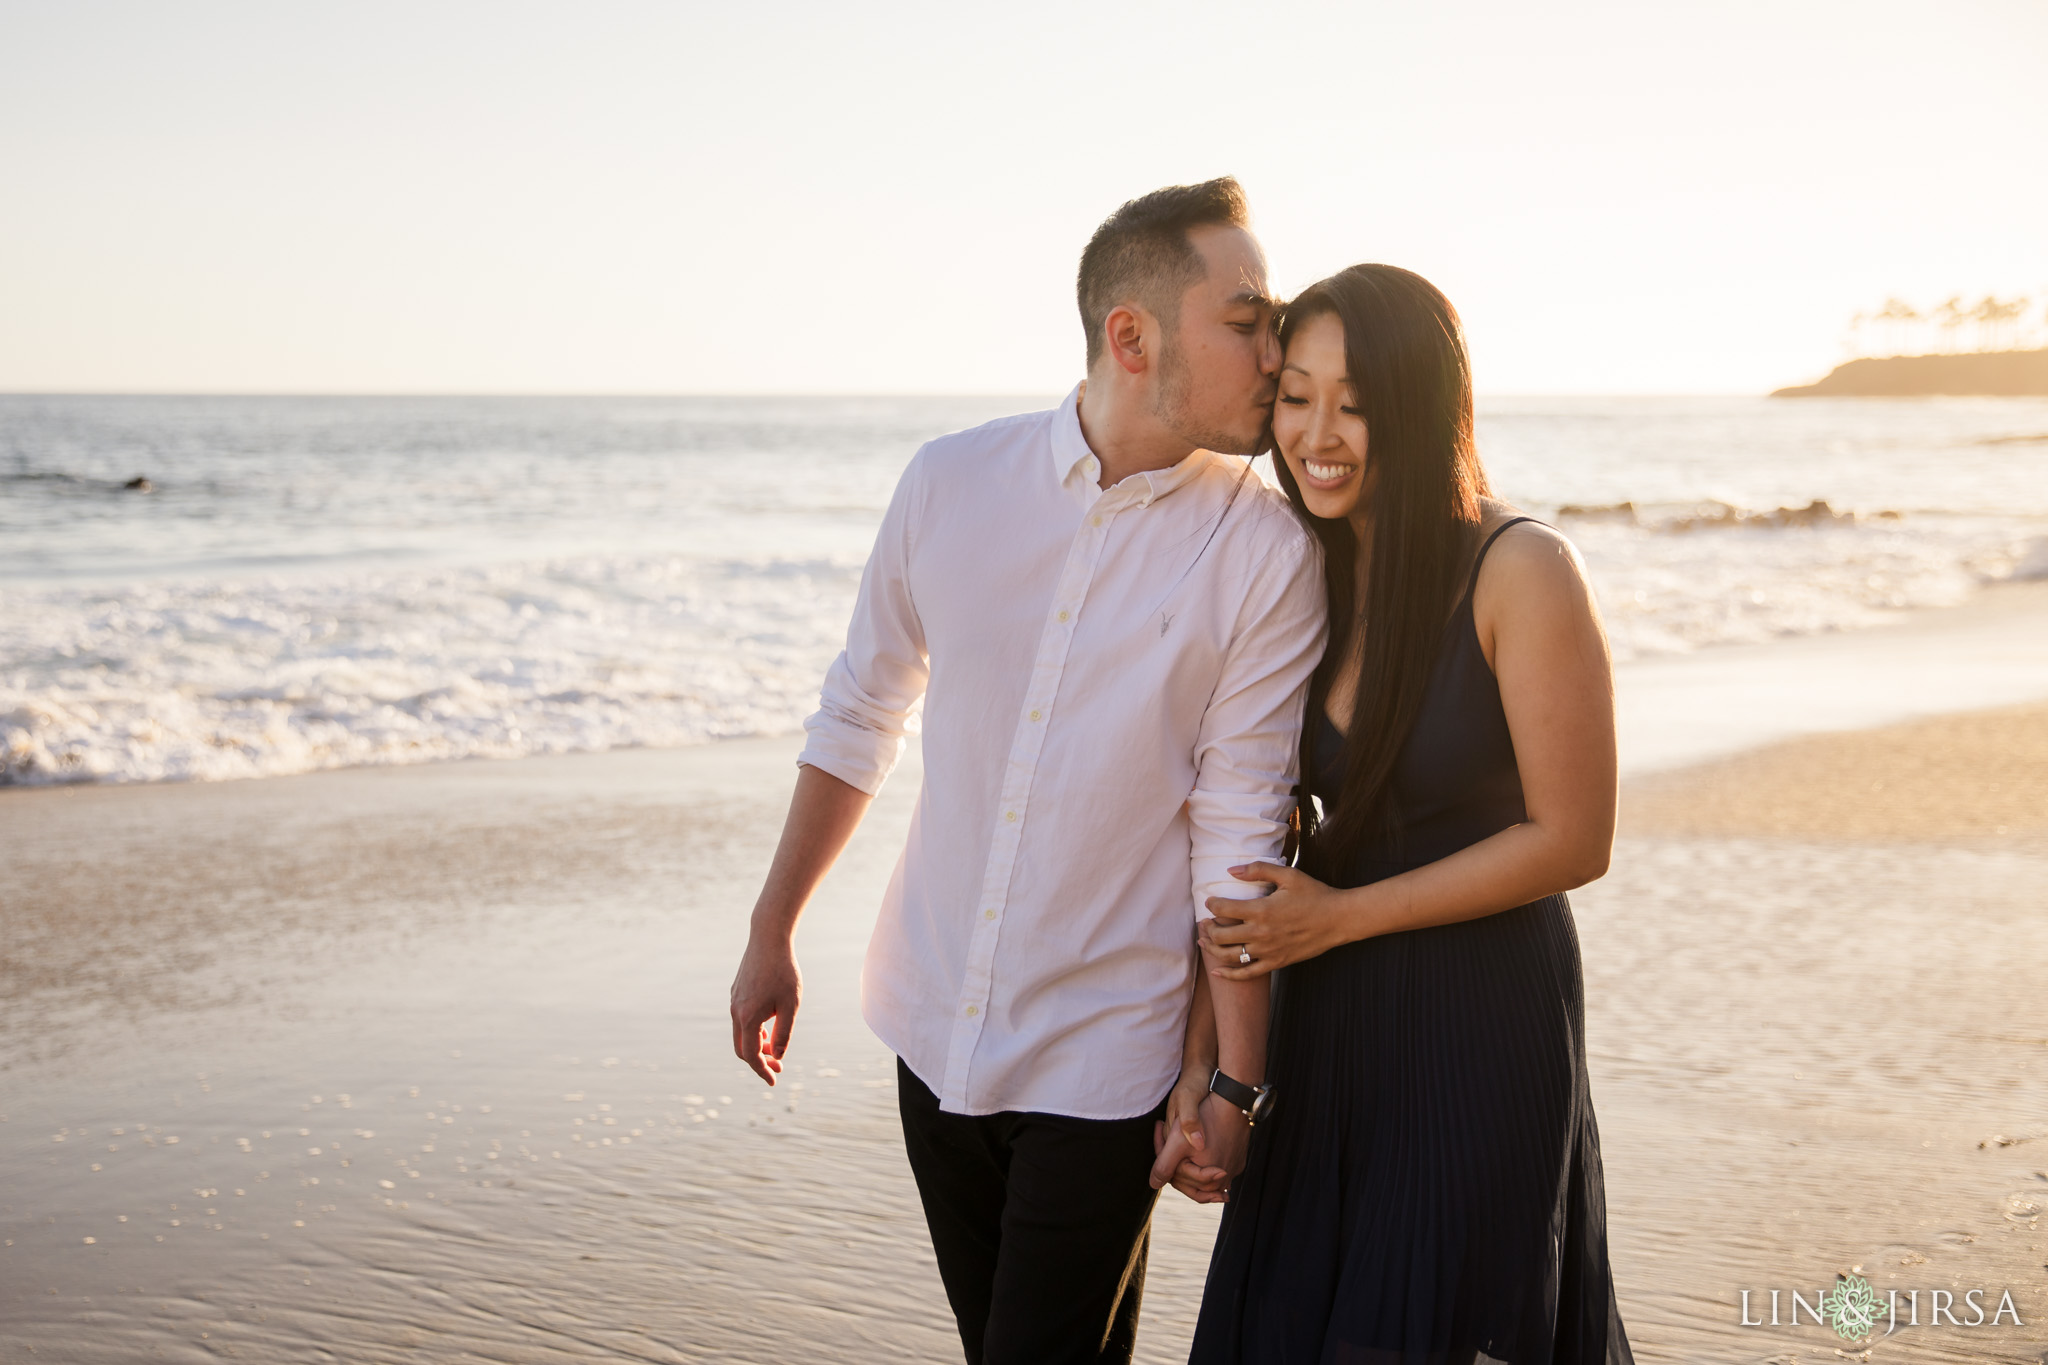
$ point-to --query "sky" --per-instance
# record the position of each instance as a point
(622, 197)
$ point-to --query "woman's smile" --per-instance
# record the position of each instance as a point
(1327, 473)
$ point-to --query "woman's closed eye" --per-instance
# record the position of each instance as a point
(1303, 402)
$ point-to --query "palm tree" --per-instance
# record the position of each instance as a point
(2010, 311)
(1984, 315)
(1950, 317)
(1898, 317)
(1994, 321)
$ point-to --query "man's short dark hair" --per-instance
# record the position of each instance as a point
(1141, 253)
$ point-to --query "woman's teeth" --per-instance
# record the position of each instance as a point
(1325, 473)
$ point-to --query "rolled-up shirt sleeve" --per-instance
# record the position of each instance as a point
(1247, 759)
(875, 687)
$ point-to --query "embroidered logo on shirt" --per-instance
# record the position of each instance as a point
(1164, 622)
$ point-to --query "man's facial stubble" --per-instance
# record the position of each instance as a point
(1173, 404)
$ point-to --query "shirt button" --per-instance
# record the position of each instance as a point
(971, 1011)
(988, 914)
(1095, 521)
(1063, 616)
(1036, 715)
(1011, 816)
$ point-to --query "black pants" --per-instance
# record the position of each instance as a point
(1040, 1223)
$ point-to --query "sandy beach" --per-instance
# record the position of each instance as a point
(1979, 778)
(432, 1062)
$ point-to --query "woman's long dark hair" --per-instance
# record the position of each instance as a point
(1412, 382)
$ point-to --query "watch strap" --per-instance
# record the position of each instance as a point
(1235, 1091)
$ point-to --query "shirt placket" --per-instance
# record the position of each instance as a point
(1055, 642)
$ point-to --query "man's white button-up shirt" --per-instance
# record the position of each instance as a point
(1112, 686)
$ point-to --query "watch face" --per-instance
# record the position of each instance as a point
(1262, 1107)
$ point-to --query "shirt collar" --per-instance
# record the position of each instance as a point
(1160, 482)
(1071, 456)
(1069, 447)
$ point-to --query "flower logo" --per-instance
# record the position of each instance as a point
(1852, 1307)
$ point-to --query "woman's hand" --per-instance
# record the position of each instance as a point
(1301, 919)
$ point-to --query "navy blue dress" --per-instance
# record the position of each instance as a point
(1428, 1187)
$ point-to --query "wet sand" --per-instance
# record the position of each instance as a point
(432, 1063)
(1819, 1038)
(1682, 709)
(1980, 778)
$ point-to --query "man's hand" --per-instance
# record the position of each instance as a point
(765, 991)
(822, 817)
(1202, 1143)
(1229, 1134)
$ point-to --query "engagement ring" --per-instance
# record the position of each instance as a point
(1244, 956)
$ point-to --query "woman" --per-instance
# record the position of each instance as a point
(1427, 1187)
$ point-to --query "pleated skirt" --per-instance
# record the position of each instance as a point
(1428, 1188)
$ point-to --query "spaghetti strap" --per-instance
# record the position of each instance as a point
(1472, 584)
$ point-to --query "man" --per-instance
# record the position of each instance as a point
(1110, 624)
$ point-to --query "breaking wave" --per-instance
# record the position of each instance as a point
(170, 681)
(1678, 577)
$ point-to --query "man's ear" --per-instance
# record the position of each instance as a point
(1124, 337)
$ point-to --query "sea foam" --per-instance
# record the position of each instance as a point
(1675, 579)
(170, 681)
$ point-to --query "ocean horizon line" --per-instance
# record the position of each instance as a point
(833, 394)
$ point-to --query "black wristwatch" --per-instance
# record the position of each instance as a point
(1255, 1100)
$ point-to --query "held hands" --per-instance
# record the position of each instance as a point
(765, 991)
(1201, 1143)
(1301, 919)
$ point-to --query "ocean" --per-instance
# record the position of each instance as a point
(310, 583)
